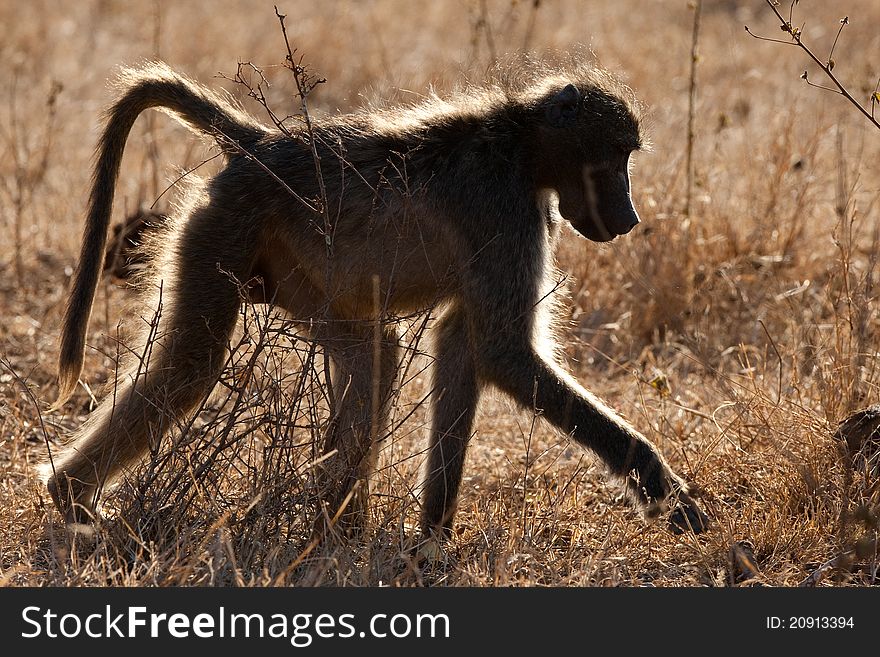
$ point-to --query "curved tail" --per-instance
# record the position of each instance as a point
(202, 110)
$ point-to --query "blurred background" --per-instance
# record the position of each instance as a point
(736, 327)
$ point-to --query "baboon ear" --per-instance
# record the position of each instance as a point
(563, 107)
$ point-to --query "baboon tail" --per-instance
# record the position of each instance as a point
(202, 110)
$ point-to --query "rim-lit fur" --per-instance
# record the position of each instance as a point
(451, 203)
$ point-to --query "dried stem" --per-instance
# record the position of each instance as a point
(826, 66)
(692, 103)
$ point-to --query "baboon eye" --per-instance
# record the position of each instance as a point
(618, 159)
(625, 156)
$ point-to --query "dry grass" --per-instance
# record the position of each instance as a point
(736, 339)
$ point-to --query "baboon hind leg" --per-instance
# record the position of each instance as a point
(455, 394)
(364, 371)
(199, 310)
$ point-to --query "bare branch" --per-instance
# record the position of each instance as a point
(796, 34)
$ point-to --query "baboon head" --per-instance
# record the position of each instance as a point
(587, 136)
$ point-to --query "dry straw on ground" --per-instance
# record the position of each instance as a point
(736, 337)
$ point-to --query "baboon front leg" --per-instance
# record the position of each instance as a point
(167, 379)
(364, 371)
(533, 381)
(454, 395)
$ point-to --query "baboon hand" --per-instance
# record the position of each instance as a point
(686, 515)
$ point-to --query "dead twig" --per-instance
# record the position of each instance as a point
(827, 65)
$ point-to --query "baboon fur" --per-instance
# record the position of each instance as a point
(454, 204)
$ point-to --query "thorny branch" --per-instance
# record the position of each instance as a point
(827, 65)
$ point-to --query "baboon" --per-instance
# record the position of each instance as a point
(453, 205)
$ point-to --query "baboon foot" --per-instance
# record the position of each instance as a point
(74, 499)
(429, 552)
(432, 560)
(346, 513)
(686, 515)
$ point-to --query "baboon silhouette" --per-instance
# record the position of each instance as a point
(454, 204)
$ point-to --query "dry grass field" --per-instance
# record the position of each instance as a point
(736, 336)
